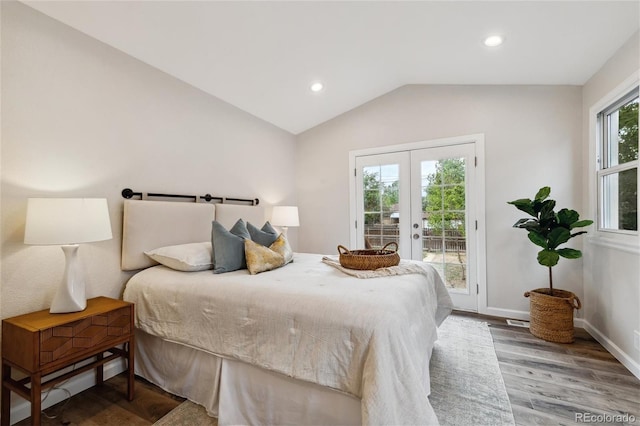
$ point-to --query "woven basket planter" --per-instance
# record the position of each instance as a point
(369, 259)
(552, 316)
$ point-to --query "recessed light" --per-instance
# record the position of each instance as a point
(493, 41)
(317, 87)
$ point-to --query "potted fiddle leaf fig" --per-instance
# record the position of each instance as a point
(551, 310)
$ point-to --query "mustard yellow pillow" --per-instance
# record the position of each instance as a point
(261, 258)
(281, 245)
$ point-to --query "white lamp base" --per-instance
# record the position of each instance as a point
(70, 296)
(284, 230)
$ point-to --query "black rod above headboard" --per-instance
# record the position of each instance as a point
(129, 193)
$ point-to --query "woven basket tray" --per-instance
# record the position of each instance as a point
(369, 259)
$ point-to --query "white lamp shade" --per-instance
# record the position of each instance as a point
(285, 216)
(67, 221)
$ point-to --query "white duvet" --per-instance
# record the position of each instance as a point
(371, 338)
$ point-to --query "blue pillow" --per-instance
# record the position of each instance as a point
(228, 247)
(265, 236)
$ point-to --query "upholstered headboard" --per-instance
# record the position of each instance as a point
(148, 225)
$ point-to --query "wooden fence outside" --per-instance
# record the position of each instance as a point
(452, 240)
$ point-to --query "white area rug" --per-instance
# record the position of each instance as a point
(466, 385)
(187, 414)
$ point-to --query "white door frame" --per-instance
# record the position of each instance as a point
(478, 140)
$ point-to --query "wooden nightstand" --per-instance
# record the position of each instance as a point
(41, 343)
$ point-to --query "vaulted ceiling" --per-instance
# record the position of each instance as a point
(263, 56)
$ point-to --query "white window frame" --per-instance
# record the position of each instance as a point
(624, 240)
(604, 160)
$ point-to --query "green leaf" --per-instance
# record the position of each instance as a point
(558, 236)
(528, 224)
(569, 253)
(532, 225)
(546, 211)
(521, 223)
(548, 258)
(581, 223)
(537, 239)
(567, 217)
(524, 204)
(543, 193)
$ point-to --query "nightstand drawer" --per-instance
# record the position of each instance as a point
(69, 339)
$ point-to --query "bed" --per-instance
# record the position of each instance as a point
(301, 344)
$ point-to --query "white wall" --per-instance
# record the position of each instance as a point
(532, 138)
(83, 119)
(611, 276)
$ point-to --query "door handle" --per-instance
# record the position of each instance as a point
(416, 236)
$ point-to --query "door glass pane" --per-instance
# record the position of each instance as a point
(381, 185)
(453, 199)
(443, 219)
(371, 201)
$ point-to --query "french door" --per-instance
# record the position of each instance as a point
(424, 201)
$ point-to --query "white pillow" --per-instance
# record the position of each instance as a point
(184, 257)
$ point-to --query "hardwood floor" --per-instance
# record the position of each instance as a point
(107, 405)
(557, 384)
(547, 383)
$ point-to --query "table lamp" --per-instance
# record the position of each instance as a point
(285, 216)
(68, 222)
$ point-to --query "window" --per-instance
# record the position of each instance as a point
(618, 166)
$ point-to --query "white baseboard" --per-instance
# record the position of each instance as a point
(522, 315)
(21, 408)
(615, 350)
(506, 313)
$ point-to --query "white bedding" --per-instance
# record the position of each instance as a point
(371, 338)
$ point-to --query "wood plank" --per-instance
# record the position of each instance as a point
(569, 382)
(97, 411)
(530, 417)
(150, 402)
(627, 381)
(107, 405)
(590, 351)
(564, 411)
(523, 334)
(545, 365)
(561, 358)
(578, 397)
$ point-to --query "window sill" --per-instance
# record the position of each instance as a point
(628, 245)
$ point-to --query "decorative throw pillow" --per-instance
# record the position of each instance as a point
(261, 258)
(281, 246)
(265, 236)
(184, 257)
(228, 246)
